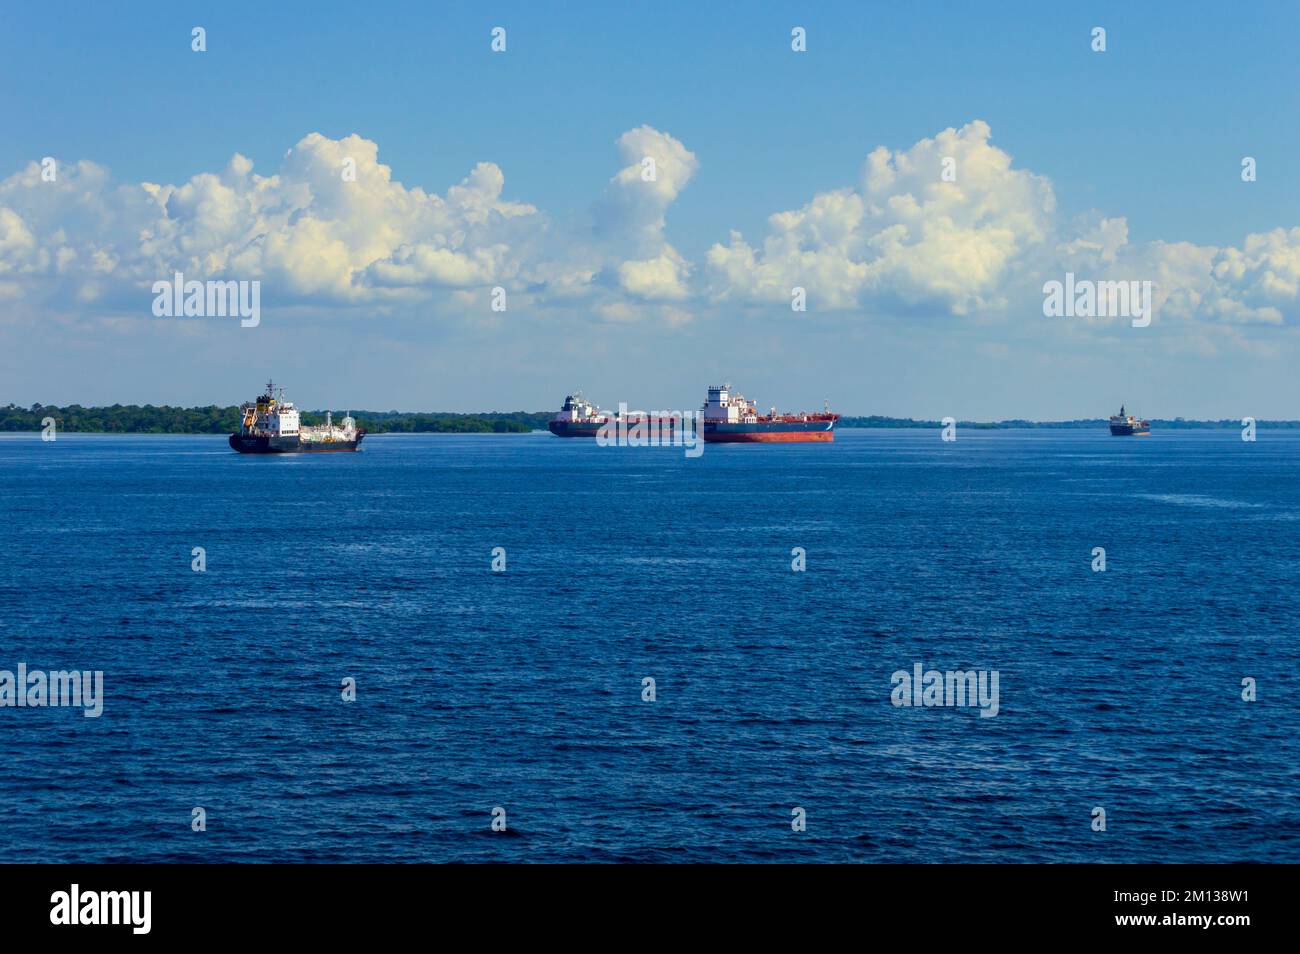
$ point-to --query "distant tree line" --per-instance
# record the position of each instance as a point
(162, 419)
(444, 422)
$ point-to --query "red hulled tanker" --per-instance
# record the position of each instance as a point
(731, 419)
(726, 418)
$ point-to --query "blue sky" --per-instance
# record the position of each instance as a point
(1151, 132)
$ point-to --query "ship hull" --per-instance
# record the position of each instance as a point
(263, 444)
(567, 429)
(662, 427)
(1128, 430)
(769, 432)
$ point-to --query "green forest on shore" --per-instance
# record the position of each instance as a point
(163, 419)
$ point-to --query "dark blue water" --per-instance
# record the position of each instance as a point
(523, 689)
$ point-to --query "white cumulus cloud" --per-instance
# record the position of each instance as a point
(903, 234)
(332, 227)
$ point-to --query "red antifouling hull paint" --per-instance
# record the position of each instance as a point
(771, 437)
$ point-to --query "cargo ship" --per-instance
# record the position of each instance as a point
(270, 425)
(731, 419)
(578, 417)
(1126, 425)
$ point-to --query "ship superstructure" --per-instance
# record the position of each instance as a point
(1126, 425)
(271, 425)
(730, 418)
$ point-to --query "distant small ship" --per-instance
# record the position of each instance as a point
(270, 425)
(731, 419)
(1126, 425)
